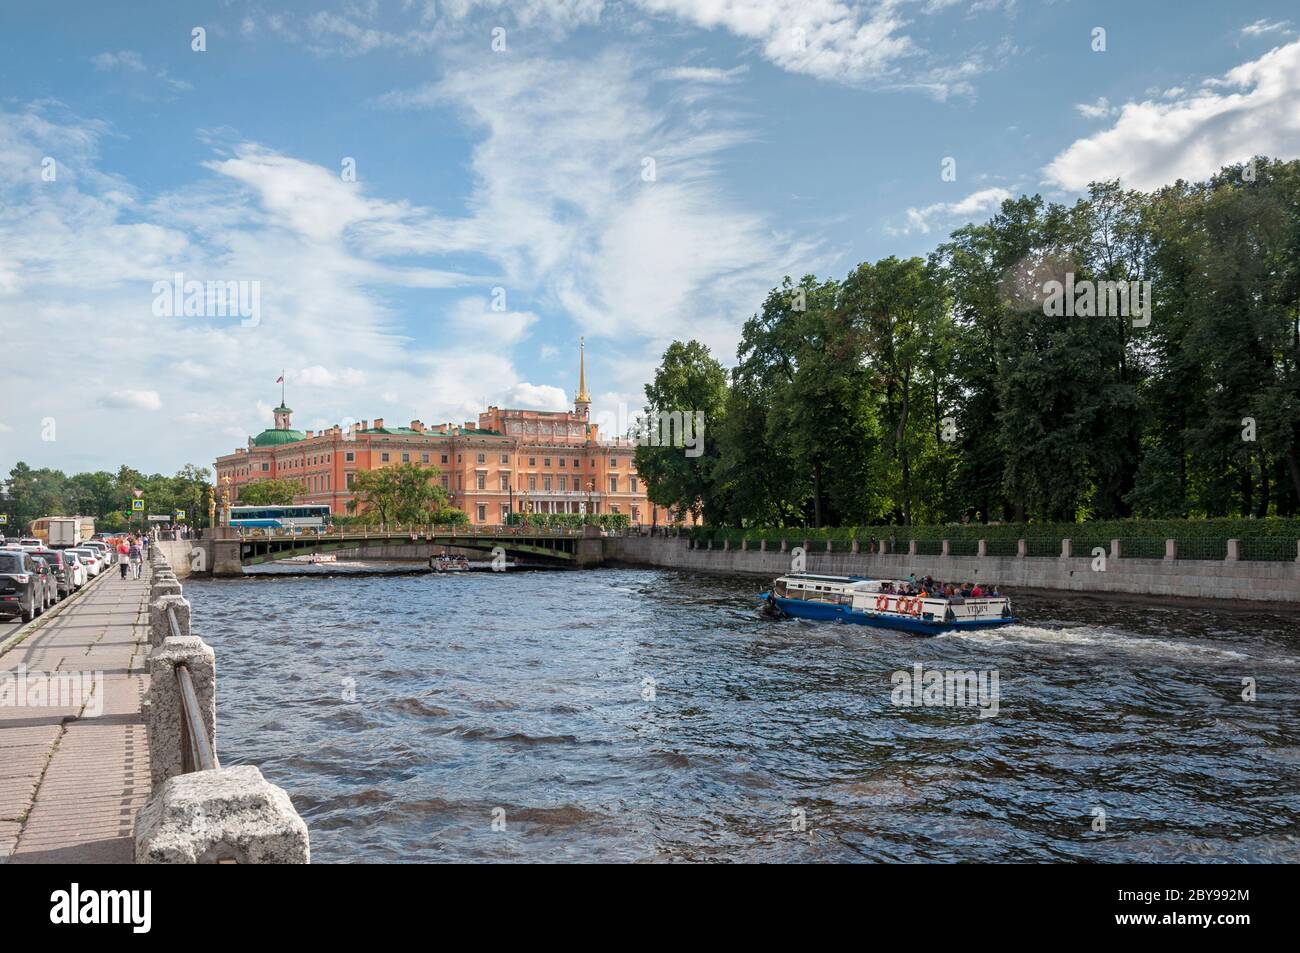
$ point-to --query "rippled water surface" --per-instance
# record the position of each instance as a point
(401, 712)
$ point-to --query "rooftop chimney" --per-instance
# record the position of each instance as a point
(379, 423)
(365, 425)
(417, 426)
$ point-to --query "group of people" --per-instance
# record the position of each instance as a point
(929, 586)
(130, 554)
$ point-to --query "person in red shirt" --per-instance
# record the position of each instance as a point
(977, 592)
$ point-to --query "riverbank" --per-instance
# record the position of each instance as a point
(1264, 584)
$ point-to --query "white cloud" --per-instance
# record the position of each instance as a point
(1098, 110)
(702, 74)
(133, 400)
(124, 59)
(960, 212)
(1250, 111)
(474, 317)
(1263, 27)
(527, 396)
(318, 376)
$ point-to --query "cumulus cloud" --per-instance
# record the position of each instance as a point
(1098, 110)
(537, 397)
(1263, 27)
(948, 214)
(1249, 111)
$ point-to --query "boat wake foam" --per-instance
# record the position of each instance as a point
(1089, 637)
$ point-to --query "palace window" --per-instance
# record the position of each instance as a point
(482, 458)
(482, 512)
(443, 458)
(350, 475)
(632, 483)
(546, 484)
(613, 462)
(613, 483)
(564, 482)
(444, 481)
(349, 457)
(505, 459)
(482, 481)
(577, 464)
(532, 461)
(532, 484)
(613, 508)
(266, 466)
(546, 461)
(505, 512)
(406, 458)
(424, 458)
(505, 482)
(563, 461)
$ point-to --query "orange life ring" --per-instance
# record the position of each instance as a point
(881, 602)
(904, 605)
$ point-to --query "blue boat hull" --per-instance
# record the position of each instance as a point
(826, 612)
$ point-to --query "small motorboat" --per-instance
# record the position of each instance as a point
(882, 603)
(445, 563)
(314, 558)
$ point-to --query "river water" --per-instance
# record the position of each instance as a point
(650, 715)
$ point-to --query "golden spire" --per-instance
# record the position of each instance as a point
(583, 396)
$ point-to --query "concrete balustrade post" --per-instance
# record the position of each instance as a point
(806, 545)
(911, 547)
(1115, 549)
(744, 545)
(983, 548)
(163, 587)
(946, 549)
(159, 628)
(233, 814)
(762, 548)
(856, 546)
(1297, 550)
(726, 545)
(1171, 549)
(829, 548)
(784, 546)
(1066, 548)
(1234, 550)
(165, 712)
(1021, 549)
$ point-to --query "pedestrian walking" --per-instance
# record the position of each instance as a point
(123, 554)
(137, 561)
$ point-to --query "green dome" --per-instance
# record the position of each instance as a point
(273, 438)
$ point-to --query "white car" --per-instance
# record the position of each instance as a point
(30, 542)
(92, 559)
(79, 574)
(106, 554)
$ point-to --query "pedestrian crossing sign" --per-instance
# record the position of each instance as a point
(180, 514)
(137, 506)
(4, 518)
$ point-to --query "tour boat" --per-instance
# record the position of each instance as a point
(314, 558)
(449, 564)
(868, 602)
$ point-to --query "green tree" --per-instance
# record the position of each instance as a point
(405, 493)
(270, 493)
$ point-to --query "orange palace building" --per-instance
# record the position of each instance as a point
(526, 460)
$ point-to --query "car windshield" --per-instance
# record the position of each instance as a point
(11, 562)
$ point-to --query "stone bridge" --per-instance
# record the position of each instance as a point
(228, 556)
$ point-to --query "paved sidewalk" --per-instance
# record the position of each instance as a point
(72, 778)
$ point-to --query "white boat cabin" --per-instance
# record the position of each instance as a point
(872, 596)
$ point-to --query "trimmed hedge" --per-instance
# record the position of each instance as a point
(1265, 539)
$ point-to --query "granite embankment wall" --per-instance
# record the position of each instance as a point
(1264, 582)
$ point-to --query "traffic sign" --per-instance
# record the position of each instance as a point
(180, 514)
(137, 506)
(4, 519)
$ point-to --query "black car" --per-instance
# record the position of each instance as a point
(22, 587)
(63, 573)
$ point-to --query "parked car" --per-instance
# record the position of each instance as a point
(21, 588)
(105, 551)
(63, 574)
(49, 583)
(31, 542)
(91, 557)
(79, 575)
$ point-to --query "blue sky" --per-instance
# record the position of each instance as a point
(786, 137)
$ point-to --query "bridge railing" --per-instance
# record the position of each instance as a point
(199, 812)
(387, 531)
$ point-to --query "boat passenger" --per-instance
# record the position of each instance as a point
(976, 592)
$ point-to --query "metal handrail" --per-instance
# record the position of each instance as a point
(196, 752)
